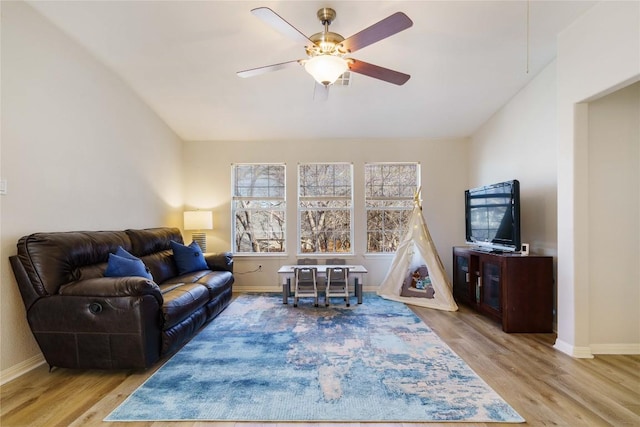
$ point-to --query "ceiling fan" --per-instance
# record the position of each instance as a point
(326, 51)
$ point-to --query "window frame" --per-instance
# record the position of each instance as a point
(407, 200)
(300, 210)
(283, 208)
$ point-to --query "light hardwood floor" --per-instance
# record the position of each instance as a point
(546, 387)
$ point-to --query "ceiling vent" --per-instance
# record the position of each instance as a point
(344, 79)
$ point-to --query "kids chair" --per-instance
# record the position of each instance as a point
(306, 284)
(337, 284)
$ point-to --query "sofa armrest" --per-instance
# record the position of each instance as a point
(28, 292)
(222, 261)
(113, 287)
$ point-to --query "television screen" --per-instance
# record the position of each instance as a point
(493, 216)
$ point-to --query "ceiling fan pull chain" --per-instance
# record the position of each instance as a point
(528, 38)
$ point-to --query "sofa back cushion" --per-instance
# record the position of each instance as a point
(153, 247)
(54, 259)
(152, 240)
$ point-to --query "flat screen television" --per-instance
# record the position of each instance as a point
(492, 215)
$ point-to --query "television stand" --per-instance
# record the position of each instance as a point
(515, 290)
(484, 249)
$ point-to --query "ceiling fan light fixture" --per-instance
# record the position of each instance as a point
(326, 69)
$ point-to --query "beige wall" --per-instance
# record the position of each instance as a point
(207, 167)
(79, 152)
(614, 217)
(597, 55)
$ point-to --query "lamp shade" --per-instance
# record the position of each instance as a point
(198, 220)
(326, 69)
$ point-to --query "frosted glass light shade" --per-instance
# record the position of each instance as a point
(198, 220)
(326, 69)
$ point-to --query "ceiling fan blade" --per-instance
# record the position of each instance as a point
(279, 24)
(387, 27)
(377, 72)
(268, 68)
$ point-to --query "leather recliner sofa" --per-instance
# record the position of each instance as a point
(82, 319)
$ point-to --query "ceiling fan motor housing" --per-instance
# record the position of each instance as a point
(326, 42)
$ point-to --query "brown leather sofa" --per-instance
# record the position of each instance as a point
(82, 319)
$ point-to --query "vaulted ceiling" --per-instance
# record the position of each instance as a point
(466, 59)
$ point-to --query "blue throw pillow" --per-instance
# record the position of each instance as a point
(188, 258)
(121, 252)
(123, 267)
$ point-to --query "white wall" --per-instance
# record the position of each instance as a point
(597, 54)
(614, 214)
(519, 142)
(79, 152)
(207, 167)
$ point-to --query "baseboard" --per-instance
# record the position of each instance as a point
(249, 289)
(615, 348)
(269, 288)
(21, 368)
(577, 352)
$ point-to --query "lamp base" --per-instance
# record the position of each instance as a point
(201, 240)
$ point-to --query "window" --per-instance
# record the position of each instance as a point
(389, 192)
(258, 208)
(325, 208)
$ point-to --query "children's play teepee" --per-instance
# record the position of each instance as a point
(416, 275)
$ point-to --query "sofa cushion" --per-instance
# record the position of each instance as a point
(119, 266)
(215, 281)
(152, 240)
(161, 265)
(181, 300)
(188, 258)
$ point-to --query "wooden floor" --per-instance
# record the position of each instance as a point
(545, 386)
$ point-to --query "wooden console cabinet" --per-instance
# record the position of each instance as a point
(509, 288)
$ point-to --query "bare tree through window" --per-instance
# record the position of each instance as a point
(259, 205)
(389, 192)
(325, 207)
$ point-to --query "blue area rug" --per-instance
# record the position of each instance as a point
(261, 360)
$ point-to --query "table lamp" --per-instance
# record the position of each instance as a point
(198, 221)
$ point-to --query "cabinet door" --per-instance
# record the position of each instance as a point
(490, 295)
(461, 278)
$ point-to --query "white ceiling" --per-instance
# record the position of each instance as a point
(466, 59)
